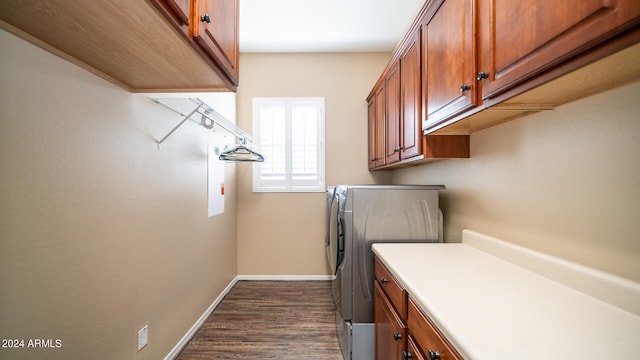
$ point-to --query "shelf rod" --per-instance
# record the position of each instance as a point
(207, 112)
(222, 122)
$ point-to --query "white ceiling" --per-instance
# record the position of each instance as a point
(324, 25)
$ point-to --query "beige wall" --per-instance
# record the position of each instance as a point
(100, 232)
(282, 234)
(565, 182)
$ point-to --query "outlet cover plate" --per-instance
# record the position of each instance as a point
(143, 337)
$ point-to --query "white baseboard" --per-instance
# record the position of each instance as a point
(198, 324)
(285, 277)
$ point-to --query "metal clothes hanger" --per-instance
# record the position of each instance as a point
(241, 153)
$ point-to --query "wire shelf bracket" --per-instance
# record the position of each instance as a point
(209, 118)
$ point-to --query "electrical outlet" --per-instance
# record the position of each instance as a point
(143, 337)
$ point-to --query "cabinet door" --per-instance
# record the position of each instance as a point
(522, 38)
(410, 81)
(426, 337)
(380, 131)
(390, 331)
(178, 11)
(391, 288)
(182, 9)
(217, 33)
(449, 58)
(371, 111)
(413, 352)
(392, 90)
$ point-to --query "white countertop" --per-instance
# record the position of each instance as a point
(490, 308)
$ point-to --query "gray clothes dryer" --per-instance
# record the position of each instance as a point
(357, 217)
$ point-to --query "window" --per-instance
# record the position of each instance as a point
(289, 132)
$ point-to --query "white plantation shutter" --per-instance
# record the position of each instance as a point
(289, 132)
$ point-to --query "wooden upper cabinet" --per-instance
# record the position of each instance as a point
(380, 128)
(449, 60)
(481, 63)
(396, 112)
(411, 84)
(213, 24)
(139, 45)
(182, 10)
(371, 111)
(376, 114)
(217, 33)
(520, 39)
(177, 11)
(392, 90)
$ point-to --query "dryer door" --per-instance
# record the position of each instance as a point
(331, 192)
(333, 236)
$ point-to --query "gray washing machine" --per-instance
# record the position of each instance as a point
(357, 217)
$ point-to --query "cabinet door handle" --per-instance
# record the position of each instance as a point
(206, 18)
(434, 355)
(397, 336)
(383, 280)
(482, 75)
(464, 87)
(406, 355)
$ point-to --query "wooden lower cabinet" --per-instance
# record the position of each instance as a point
(402, 329)
(390, 329)
(427, 337)
(396, 295)
(413, 352)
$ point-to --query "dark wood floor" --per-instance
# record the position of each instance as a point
(270, 320)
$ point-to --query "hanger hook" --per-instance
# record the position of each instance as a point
(205, 121)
